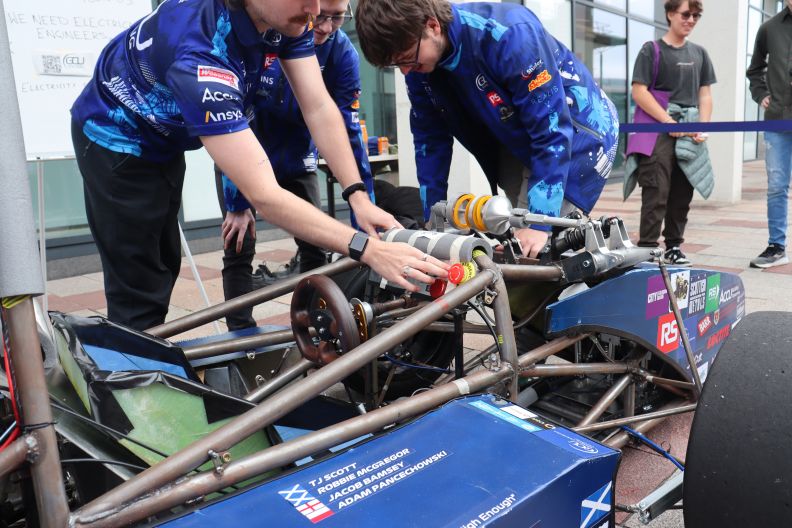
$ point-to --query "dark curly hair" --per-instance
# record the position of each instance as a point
(389, 27)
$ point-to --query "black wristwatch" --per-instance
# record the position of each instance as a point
(358, 245)
(355, 187)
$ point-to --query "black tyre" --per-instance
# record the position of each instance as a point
(739, 464)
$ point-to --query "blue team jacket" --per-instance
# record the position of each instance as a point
(508, 82)
(280, 126)
(187, 69)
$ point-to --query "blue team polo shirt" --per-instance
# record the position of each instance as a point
(190, 68)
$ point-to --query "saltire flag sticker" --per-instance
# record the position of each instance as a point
(596, 507)
(305, 503)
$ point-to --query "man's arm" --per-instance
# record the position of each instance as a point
(757, 70)
(433, 145)
(327, 129)
(644, 98)
(240, 156)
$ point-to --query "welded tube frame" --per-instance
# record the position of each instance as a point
(504, 328)
(267, 293)
(278, 405)
(21, 450)
(28, 365)
(663, 413)
(218, 348)
(280, 381)
(608, 398)
(576, 369)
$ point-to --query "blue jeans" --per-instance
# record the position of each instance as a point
(779, 168)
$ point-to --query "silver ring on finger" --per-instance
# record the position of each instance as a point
(406, 271)
(425, 256)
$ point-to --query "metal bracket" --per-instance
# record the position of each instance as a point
(219, 460)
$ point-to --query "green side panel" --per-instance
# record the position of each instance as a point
(72, 370)
(169, 420)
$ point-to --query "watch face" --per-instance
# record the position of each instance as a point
(357, 245)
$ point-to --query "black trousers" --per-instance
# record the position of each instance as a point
(666, 194)
(132, 207)
(238, 267)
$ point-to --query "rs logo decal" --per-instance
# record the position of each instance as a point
(667, 333)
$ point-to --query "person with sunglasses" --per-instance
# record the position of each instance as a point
(185, 76)
(491, 76)
(293, 155)
(681, 73)
(769, 74)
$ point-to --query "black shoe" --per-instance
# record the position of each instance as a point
(675, 257)
(774, 255)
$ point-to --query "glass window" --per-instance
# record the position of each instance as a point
(556, 16)
(649, 9)
(754, 21)
(618, 4)
(601, 43)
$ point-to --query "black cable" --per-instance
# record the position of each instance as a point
(117, 434)
(102, 461)
(487, 322)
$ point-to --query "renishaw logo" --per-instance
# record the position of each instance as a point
(217, 117)
(218, 75)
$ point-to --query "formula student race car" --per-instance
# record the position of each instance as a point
(366, 412)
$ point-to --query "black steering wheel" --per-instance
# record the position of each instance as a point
(320, 304)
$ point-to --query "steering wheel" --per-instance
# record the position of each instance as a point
(318, 303)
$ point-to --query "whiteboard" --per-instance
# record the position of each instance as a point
(54, 47)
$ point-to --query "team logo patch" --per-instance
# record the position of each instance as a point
(306, 504)
(218, 75)
(269, 59)
(541, 79)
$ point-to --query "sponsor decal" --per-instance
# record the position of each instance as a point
(667, 334)
(305, 503)
(355, 116)
(356, 104)
(506, 112)
(494, 99)
(217, 96)
(528, 72)
(656, 297)
(697, 294)
(541, 79)
(718, 337)
(218, 75)
(680, 282)
(716, 316)
(596, 507)
(492, 512)
(269, 59)
(481, 82)
(219, 117)
(267, 81)
(728, 295)
(59, 63)
(740, 308)
(704, 325)
(713, 293)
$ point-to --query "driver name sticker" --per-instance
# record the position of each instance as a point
(330, 492)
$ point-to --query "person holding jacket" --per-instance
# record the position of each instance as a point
(769, 75)
(669, 171)
(185, 76)
(491, 76)
(292, 151)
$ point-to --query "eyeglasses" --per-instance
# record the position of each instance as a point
(687, 14)
(335, 20)
(410, 64)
